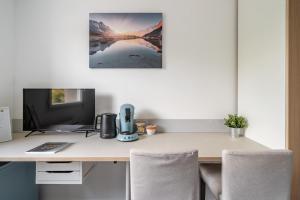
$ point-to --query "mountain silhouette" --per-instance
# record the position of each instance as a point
(99, 28)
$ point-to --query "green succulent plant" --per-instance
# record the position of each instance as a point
(235, 121)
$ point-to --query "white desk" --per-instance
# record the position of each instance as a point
(93, 148)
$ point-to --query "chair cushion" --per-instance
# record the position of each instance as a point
(212, 176)
(164, 175)
(256, 175)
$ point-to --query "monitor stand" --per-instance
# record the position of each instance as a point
(31, 132)
(34, 120)
(87, 133)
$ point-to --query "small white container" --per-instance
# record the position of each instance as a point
(151, 129)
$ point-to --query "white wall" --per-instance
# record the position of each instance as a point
(7, 15)
(261, 72)
(198, 79)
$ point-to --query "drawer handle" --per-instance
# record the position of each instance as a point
(60, 172)
(55, 162)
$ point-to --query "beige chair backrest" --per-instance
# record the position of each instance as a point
(164, 176)
(256, 175)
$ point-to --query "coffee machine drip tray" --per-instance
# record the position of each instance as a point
(127, 138)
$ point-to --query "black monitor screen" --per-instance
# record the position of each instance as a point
(58, 109)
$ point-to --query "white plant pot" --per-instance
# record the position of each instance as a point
(237, 132)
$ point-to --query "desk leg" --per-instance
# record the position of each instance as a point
(128, 197)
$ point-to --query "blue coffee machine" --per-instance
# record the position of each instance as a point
(127, 132)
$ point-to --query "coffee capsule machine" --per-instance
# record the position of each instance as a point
(127, 132)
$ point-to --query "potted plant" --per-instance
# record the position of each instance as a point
(237, 125)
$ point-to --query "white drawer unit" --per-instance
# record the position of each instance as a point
(61, 172)
(58, 166)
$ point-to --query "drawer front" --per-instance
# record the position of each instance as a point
(58, 166)
(58, 176)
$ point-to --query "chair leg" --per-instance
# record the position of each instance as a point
(202, 189)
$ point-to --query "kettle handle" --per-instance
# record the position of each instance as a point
(96, 122)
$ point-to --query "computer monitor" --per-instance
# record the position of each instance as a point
(59, 110)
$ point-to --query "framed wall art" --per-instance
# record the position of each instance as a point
(125, 40)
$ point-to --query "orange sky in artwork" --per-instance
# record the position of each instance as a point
(129, 23)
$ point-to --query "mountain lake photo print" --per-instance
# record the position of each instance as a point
(125, 40)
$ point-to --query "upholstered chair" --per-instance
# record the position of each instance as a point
(164, 176)
(246, 175)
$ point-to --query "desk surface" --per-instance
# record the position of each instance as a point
(93, 148)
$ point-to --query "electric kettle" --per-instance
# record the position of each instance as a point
(106, 125)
